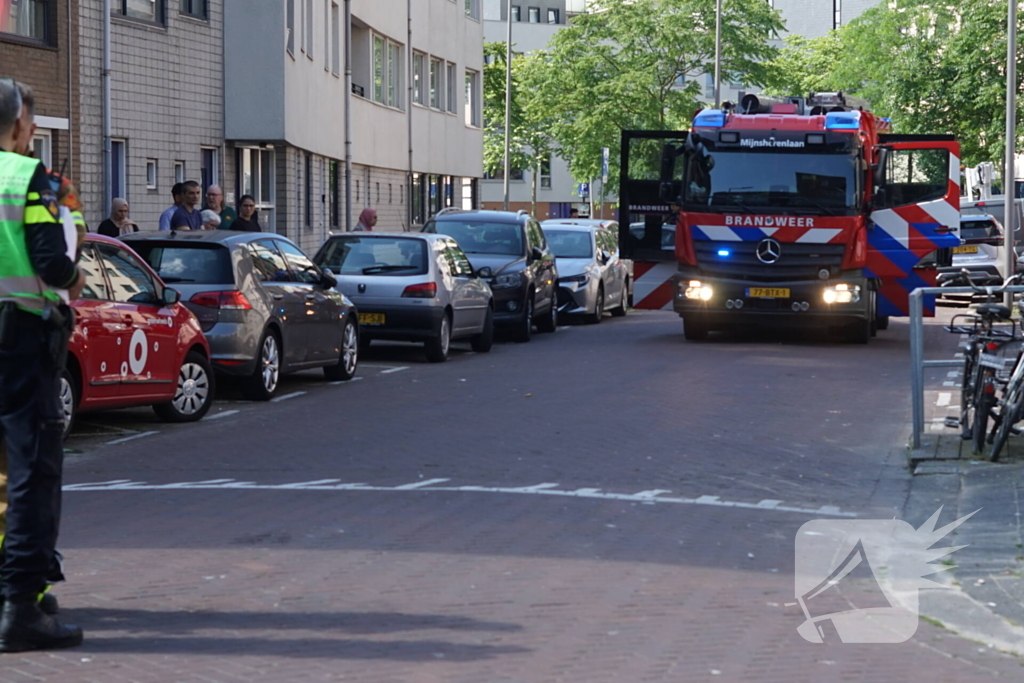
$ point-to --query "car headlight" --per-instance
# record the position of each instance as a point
(507, 281)
(841, 294)
(580, 279)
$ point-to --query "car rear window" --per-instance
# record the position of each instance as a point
(481, 237)
(204, 264)
(356, 255)
(570, 243)
(976, 230)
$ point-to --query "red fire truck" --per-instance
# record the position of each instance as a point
(797, 211)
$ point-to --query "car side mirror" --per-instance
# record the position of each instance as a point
(171, 296)
(536, 254)
(485, 272)
(605, 256)
(327, 279)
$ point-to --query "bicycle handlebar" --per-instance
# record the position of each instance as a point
(988, 290)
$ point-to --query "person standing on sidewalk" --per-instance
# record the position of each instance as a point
(34, 330)
(215, 203)
(188, 216)
(367, 219)
(165, 217)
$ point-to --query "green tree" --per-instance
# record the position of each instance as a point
(624, 66)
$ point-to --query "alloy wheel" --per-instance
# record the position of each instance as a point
(271, 363)
(350, 349)
(193, 389)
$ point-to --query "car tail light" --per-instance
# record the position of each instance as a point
(228, 300)
(424, 290)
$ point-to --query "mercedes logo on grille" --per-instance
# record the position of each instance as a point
(768, 251)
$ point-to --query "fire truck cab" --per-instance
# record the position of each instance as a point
(794, 212)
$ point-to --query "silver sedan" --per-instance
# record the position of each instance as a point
(592, 276)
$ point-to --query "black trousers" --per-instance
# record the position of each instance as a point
(30, 423)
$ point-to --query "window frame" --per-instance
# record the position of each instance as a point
(419, 89)
(532, 12)
(119, 9)
(553, 12)
(49, 34)
(517, 13)
(43, 152)
(451, 76)
(436, 83)
(140, 265)
(335, 38)
(270, 244)
(473, 117)
(390, 55)
(201, 15)
(97, 262)
(290, 26)
(119, 159)
(152, 178)
(179, 165)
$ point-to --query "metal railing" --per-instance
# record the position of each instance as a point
(917, 361)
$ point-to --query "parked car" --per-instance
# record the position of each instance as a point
(264, 306)
(981, 251)
(523, 270)
(412, 287)
(668, 235)
(591, 275)
(133, 343)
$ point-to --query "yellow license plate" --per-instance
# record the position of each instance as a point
(966, 249)
(768, 292)
(371, 318)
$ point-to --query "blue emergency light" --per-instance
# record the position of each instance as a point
(723, 252)
(842, 120)
(710, 118)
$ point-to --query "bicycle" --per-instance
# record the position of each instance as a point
(1012, 410)
(978, 386)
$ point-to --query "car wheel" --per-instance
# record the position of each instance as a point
(262, 383)
(524, 328)
(483, 342)
(595, 317)
(68, 397)
(695, 328)
(549, 323)
(194, 394)
(346, 367)
(623, 306)
(437, 348)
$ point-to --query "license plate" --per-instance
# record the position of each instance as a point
(768, 292)
(989, 361)
(966, 249)
(371, 318)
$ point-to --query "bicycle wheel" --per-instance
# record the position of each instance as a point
(982, 410)
(967, 390)
(1009, 416)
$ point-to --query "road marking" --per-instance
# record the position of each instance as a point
(953, 373)
(129, 438)
(224, 414)
(287, 396)
(545, 489)
(958, 355)
(398, 369)
(373, 365)
(943, 399)
(344, 381)
(420, 484)
(949, 384)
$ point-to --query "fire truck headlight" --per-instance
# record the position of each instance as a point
(697, 290)
(841, 294)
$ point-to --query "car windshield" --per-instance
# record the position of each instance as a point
(204, 264)
(570, 243)
(977, 230)
(481, 237)
(357, 255)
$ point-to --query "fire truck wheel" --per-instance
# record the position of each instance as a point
(695, 328)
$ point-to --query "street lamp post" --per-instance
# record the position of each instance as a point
(1009, 175)
(718, 54)
(508, 102)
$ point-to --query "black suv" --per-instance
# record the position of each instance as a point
(524, 277)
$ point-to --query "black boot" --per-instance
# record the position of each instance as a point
(23, 626)
(48, 603)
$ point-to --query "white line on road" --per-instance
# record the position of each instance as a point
(949, 384)
(374, 365)
(129, 438)
(287, 396)
(953, 373)
(958, 355)
(943, 399)
(344, 381)
(398, 369)
(224, 414)
(420, 484)
(539, 489)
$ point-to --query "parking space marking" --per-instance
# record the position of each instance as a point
(398, 369)
(129, 438)
(287, 396)
(943, 399)
(344, 381)
(545, 489)
(223, 414)
(375, 365)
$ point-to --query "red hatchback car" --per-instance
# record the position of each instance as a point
(133, 343)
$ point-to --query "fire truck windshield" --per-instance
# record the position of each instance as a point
(785, 181)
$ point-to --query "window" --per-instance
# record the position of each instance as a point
(514, 174)
(394, 80)
(913, 176)
(146, 10)
(473, 9)
(545, 172)
(436, 85)
(179, 171)
(472, 98)
(333, 195)
(534, 15)
(516, 13)
(379, 57)
(150, 174)
(459, 262)
(552, 16)
(335, 40)
(328, 47)
(118, 170)
(195, 8)
(129, 280)
(386, 71)
(418, 77)
(267, 263)
(309, 190)
(192, 262)
(453, 91)
(255, 176)
(210, 174)
(709, 85)
(27, 18)
(375, 256)
(291, 26)
(534, 235)
(42, 147)
(95, 283)
(308, 34)
(303, 269)
(837, 13)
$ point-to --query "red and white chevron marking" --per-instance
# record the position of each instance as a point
(652, 285)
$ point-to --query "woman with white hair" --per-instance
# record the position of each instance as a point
(211, 219)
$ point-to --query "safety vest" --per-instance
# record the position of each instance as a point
(18, 280)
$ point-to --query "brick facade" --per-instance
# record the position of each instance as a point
(44, 67)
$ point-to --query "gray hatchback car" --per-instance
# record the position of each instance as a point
(263, 305)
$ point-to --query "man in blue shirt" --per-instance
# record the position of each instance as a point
(188, 216)
(165, 217)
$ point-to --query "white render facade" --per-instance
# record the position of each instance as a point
(285, 107)
(167, 112)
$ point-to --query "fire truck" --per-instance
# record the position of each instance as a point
(796, 211)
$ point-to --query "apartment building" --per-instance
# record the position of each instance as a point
(39, 47)
(416, 108)
(815, 18)
(166, 103)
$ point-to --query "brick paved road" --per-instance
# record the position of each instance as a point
(245, 579)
